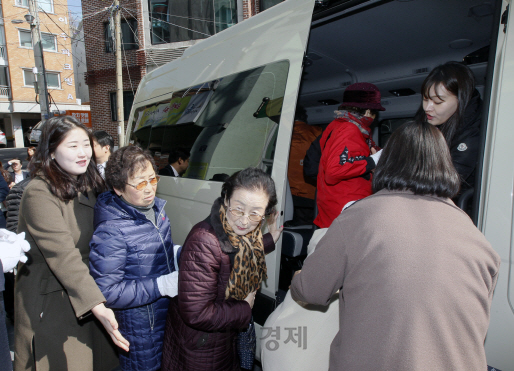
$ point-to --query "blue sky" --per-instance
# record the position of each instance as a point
(75, 6)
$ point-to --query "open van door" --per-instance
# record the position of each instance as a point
(496, 212)
(230, 98)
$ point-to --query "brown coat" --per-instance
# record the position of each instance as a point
(416, 281)
(54, 291)
(202, 325)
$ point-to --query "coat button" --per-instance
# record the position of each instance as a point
(41, 315)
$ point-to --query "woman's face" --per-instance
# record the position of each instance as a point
(139, 198)
(249, 202)
(31, 151)
(74, 152)
(440, 105)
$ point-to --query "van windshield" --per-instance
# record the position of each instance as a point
(226, 125)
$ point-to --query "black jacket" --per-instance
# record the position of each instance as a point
(13, 200)
(465, 144)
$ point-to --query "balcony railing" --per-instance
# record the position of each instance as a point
(3, 52)
(4, 91)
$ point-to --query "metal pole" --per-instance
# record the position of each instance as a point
(119, 76)
(39, 60)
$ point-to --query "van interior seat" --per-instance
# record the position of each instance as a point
(295, 238)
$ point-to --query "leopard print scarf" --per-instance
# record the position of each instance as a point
(249, 264)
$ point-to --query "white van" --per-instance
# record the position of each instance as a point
(231, 98)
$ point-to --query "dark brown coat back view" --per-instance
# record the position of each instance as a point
(416, 281)
(202, 325)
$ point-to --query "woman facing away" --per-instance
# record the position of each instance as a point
(131, 256)
(221, 266)
(55, 294)
(451, 102)
(415, 276)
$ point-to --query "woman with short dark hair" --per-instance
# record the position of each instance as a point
(131, 255)
(55, 294)
(415, 276)
(222, 265)
(452, 103)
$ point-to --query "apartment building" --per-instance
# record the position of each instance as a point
(19, 108)
(153, 33)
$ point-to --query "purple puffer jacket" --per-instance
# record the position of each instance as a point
(201, 326)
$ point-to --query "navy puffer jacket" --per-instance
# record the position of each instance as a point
(128, 253)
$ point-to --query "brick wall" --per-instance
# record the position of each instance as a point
(101, 66)
(250, 8)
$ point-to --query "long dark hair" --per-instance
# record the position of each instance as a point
(63, 185)
(5, 174)
(416, 158)
(459, 80)
(251, 178)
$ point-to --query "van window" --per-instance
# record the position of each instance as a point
(228, 124)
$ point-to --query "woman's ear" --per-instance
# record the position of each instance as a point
(118, 192)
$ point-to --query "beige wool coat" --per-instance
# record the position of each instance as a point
(54, 292)
(415, 280)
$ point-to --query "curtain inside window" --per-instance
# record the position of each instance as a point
(190, 19)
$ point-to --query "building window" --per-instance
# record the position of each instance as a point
(46, 5)
(128, 36)
(48, 40)
(177, 21)
(53, 79)
(128, 99)
(265, 4)
(25, 39)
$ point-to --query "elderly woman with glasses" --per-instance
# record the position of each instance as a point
(222, 266)
(131, 256)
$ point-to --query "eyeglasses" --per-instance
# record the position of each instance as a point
(144, 183)
(254, 217)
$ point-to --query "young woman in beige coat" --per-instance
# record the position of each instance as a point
(415, 276)
(55, 295)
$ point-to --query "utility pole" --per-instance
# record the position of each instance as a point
(119, 75)
(33, 19)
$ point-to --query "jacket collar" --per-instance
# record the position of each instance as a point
(89, 200)
(215, 222)
(132, 211)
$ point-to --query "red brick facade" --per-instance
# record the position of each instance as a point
(101, 66)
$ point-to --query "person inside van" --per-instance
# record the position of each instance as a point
(222, 265)
(451, 102)
(303, 189)
(178, 162)
(103, 145)
(348, 152)
(415, 285)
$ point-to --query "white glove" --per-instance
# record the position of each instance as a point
(168, 284)
(12, 249)
(376, 156)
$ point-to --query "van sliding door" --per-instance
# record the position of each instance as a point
(496, 212)
(244, 85)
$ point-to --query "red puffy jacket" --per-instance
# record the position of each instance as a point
(345, 167)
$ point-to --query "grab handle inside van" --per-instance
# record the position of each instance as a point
(264, 101)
